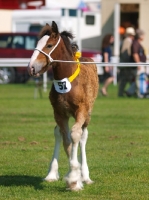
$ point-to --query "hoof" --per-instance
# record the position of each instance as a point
(51, 177)
(50, 180)
(89, 181)
(74, 186)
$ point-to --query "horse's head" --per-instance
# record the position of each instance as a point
(49, 38)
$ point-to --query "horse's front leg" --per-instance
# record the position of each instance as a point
(84, 166)
(73, 177)
(53, 174)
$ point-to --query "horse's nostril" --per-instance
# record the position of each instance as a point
(33, 70)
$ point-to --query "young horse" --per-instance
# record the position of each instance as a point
(73, 93)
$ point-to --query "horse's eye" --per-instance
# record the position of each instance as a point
(49, 46)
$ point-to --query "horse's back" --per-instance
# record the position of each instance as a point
(89, 77)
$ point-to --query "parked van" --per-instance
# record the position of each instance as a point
(16, 45)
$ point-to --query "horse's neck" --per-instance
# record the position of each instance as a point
(63, 70)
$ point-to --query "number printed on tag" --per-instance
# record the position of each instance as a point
(62, 86)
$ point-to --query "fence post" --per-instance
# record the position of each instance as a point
(115, 59)
(45, 81)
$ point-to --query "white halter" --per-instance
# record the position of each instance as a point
(49, 55)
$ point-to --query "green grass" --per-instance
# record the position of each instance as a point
(117, 148)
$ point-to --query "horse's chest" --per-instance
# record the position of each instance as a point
(64, 104)
(61, 104)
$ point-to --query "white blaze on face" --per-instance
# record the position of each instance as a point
(40, 45)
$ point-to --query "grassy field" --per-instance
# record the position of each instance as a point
(117, 149)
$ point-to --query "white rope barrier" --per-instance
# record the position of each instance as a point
(105, 63)
(14, 62)
(19, 62)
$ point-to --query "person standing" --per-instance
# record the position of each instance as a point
(106, 57)
(137, 56)
(126, 74)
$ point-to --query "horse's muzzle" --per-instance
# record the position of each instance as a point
(31, 70)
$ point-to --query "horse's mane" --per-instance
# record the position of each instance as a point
(66, 36)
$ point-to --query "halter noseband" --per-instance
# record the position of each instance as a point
(49, 55)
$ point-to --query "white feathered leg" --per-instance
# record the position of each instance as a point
(53, 174)
(84, 166)
(73, 178)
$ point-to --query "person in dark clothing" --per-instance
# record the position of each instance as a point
(106, 55)
(137, 50)
(137, 56)
(126, 74)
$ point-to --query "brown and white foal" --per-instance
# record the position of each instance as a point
(73, 93)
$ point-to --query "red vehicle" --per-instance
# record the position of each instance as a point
(16, 45)
(91, 53)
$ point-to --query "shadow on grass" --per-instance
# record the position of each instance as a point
(21, 181)
(36, 182)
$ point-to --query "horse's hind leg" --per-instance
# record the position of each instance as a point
(84, 166)
(53, 170)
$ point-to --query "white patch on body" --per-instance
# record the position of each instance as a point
(62, 86)
(40, 45)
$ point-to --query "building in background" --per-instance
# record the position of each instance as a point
(132, 13)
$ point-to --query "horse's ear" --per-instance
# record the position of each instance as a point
(54, 27)
(47, 24)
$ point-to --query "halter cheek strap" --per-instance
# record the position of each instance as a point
(49, 55)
